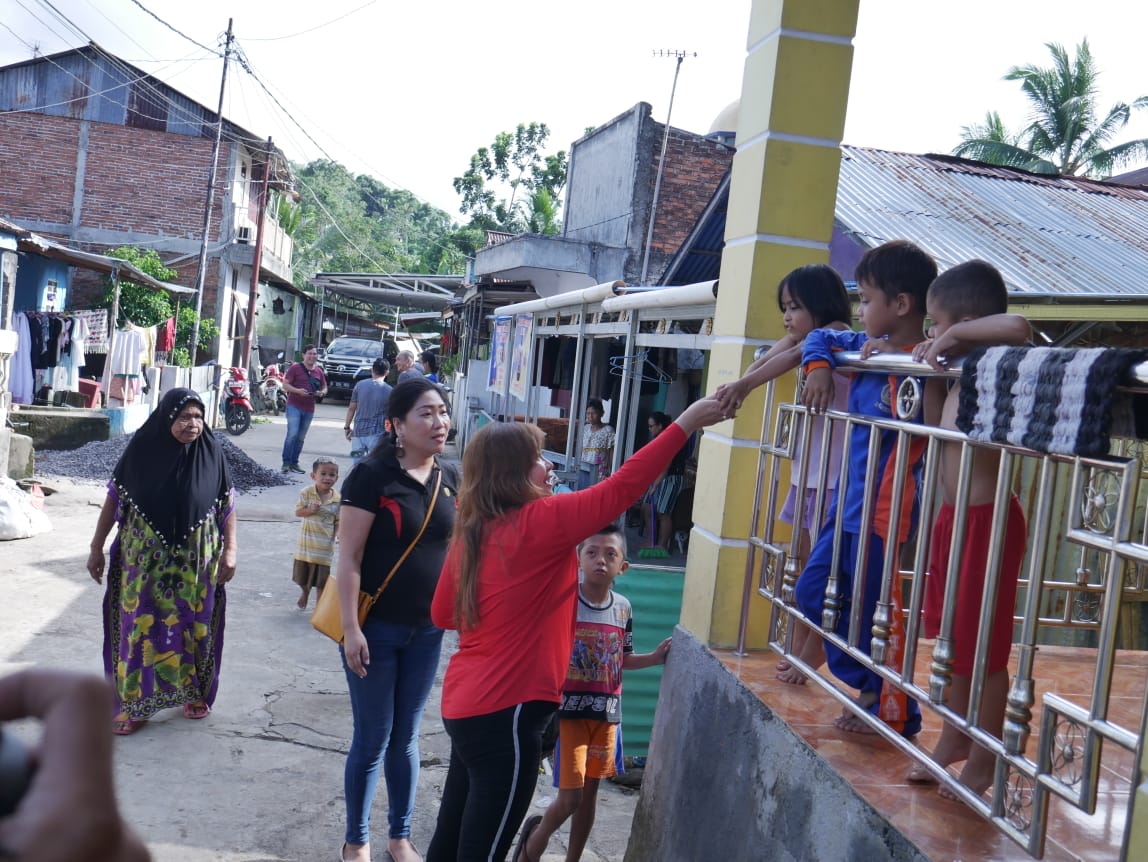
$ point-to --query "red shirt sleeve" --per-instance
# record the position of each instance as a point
(442, 605)
(576, 516)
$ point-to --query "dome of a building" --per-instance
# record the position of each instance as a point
(726, 120)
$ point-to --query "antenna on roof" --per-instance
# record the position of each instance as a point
(679, 56)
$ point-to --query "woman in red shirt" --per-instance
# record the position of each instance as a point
(509, 586)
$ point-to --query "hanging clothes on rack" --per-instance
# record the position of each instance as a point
(96, 322)
(72, 358)
(147, 350)
(165, 338)
(21, 384)
(62, 347)
(49, 353)
(123, 379)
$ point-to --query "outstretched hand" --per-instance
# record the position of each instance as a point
(703, 413)
(731, 395)
(69, 811)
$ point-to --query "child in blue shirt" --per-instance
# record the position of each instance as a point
(893, 280)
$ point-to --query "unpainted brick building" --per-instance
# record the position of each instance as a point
(98, 154)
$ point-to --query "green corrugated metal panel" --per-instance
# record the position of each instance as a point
(656, 597)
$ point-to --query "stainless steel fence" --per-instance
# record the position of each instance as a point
(1086, 559)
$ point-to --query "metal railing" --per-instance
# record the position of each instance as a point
(1086, 559)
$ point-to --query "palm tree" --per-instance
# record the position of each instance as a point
(1066, 134)
(542, 214)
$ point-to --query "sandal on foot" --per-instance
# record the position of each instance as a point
(196, 711)
(520, 854)
(122, 725)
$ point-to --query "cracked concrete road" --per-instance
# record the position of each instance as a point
(261, 779)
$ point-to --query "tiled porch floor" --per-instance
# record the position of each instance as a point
(946, 830)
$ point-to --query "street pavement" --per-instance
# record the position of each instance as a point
(261, 779)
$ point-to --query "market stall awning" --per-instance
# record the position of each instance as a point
(403, 290)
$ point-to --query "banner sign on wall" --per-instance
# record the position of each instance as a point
(496, 379)
(520, 355)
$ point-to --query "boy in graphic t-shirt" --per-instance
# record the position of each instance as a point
(591, 697)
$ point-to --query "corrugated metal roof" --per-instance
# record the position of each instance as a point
(89, 83)
(1047, 234)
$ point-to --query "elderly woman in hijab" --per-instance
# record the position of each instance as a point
(172, 497)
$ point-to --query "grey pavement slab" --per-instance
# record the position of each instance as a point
(261, 779)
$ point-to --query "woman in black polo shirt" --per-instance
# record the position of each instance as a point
(390, 662)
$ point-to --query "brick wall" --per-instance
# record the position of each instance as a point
(135, 180)
(694, 167)
(147, 183)
(150, 182)
(38, 166)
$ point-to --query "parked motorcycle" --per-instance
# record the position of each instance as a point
(235, 404)
(271, 388)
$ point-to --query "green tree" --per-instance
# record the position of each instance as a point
(139, 303)
(352, 223)
(542, 217)
(145, 306)
(289, 214)
(1067, 134)
(516, 163)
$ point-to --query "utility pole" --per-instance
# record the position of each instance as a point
(201, 273)
(257, 259)
(679, 55)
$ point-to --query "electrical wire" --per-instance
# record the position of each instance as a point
(245, 63)
(136, 76)
(126, 34)
(173, 29)
(157, 95)
(311, 30)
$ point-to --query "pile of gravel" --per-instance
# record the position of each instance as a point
(94, 462)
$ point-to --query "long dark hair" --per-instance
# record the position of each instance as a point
(819, 290)
(495, 482)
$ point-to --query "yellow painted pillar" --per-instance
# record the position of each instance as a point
(1137, 843)
(782, 196)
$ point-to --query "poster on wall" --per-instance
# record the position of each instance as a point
(496, 379)
(520, 355)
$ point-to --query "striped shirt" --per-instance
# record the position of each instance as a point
(317, 532)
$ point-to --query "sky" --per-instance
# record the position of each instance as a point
(407, 92)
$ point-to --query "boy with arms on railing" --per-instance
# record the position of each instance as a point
(893, 279)
(968, 306)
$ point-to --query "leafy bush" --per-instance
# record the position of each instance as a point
(145, 306)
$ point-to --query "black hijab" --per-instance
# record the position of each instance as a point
(172, 485)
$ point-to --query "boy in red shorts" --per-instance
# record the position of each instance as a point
(591, 698)
(967, 305)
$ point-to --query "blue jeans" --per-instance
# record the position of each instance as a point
(364, 445)
(387, 706)
(810, 595)
(298, 421)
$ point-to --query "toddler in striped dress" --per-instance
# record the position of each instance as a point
(318, 506)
